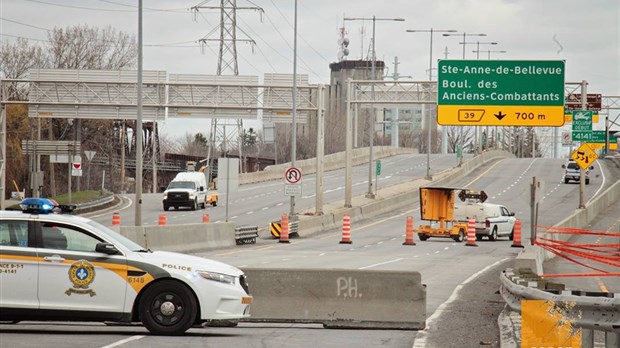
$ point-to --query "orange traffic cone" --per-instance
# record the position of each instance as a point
(163, 219)
(284, 233)
(205, 217)
(471, 232)
(346, 230)
(409, 231)
(116, 219)
(516, 238)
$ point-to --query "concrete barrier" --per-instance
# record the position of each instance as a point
(182, 238)
(330, 162)
(338, 298)
(389, 198)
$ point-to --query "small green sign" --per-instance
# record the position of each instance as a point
(582, 120)
(592, 137)
(378, 167)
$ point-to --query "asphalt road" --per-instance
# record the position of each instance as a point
(462, 282)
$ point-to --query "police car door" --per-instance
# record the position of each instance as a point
(18, 266)
(72, 276)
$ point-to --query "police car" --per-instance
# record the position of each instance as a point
(59, 267)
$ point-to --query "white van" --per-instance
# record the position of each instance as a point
(492, 220)
(187, 189)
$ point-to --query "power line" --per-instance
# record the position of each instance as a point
(177, 10)
(23, 37)
(110, 10)
(79, 7)
(24, 24)
(301, 37)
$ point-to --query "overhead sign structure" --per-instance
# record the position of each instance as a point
(584, 156)
(500, 93)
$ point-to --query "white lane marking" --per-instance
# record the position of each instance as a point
(265, 208)
(249, 213)
(420, 338)
(279, 204)
(600, 168)
(322, 254)
(381, 263)
(121, 342)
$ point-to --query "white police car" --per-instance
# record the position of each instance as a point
(56, 267)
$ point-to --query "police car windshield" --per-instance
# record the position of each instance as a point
(124, 241)
(182, 185)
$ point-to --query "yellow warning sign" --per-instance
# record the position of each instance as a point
(584, 156)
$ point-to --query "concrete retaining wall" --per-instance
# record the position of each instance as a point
(182, 238)
(338, 298)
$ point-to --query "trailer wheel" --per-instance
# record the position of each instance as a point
(422, 236)
(461, 236)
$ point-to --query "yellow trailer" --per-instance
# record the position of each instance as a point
(437, 206)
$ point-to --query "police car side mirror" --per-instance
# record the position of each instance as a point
(564, 166)
(511, 214)
(106, 248)
(202, 188)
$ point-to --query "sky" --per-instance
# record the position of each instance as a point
(586, 34)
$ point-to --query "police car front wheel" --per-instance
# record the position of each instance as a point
(168, 308)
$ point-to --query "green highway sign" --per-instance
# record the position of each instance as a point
(500, 93)
(592, 137)
(582, 120)
(378, 167)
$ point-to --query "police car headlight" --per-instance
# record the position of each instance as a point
(218, 277)
(166, 195)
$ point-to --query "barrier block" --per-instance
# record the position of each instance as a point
(338, 298)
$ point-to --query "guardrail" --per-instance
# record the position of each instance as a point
(590, 311)
(95, 203)
(246, 234)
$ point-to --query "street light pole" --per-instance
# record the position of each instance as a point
(370, 193)
(294, 97)
(477, 130)
(465, 35)
(430, 78)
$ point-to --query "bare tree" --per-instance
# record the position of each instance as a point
(15, 61)
(193, 145)
(455, 134)
(83, 47)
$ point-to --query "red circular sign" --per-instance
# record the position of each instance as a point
(292, 175)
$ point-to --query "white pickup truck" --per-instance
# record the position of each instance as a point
(188, 189)
(492, 220)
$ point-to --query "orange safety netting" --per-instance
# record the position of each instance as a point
(598, 253)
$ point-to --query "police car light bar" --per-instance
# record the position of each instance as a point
(44, 206)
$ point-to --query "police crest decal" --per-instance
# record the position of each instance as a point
(81, 274)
